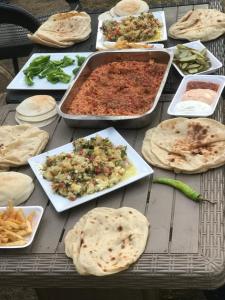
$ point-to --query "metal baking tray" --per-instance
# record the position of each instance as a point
(97, 59)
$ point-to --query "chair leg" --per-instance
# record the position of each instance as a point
(15, 65)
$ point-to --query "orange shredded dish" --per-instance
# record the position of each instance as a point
(118, 88)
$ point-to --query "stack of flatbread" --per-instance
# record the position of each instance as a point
(129, 7)
(39, 111)
(63, 30)
(125, 8)
(186, 145)
(106, 240)
(20, 142)
(16, 187)
(199, 24)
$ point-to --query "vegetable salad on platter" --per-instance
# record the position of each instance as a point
(132, 29)
(94, 165)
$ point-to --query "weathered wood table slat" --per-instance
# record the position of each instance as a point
(186, 239)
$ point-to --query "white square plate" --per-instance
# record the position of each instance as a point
(217, 79)
(61, 203)
(36, 220)
(18, 83)
(197, 45)
(160, 15)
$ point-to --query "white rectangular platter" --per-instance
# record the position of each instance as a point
(38, 210)
(160, 15)
(18, 83)
(61, 203)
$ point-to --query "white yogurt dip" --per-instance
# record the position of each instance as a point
(192, 107)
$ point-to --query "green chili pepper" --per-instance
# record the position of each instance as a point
(182, 187)
(43, 67)
(76, 70)
(80, 60)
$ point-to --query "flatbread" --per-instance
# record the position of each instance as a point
(38, 40)
(199, 24)
(37, 124)
(186, 145)
(39, 118)
(36, 105)
(72, 243)
(149, 155)
(16, 187)
(129, 7)
(63, 29)
(61, 39)
(19, 143)
(106, 240)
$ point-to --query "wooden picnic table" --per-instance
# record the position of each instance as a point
(186, 243)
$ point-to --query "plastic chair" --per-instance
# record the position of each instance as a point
(14, 22)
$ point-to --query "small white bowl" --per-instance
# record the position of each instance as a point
(197, 45)
(217, 79)
(38, 210)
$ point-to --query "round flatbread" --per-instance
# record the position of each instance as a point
(149, 155)
(63, 29)
(199, 24)
(38, 40)
(106, 240)
(129, 7)
(37, 124)
(39, 118)
(186, 145)
(16, 187)
(19, 143)
(36, 105)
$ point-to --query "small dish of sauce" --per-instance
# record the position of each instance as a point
(197, 95)
(203, 95)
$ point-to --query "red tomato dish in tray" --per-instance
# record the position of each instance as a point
(118, 88)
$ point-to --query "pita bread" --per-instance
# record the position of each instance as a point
(129, 7)
(106, 240)
(15, 186)
(199, 24)
(186, 145)
(149, 154)
(63, 29)
(39, 118)
(19, 143)
(37, 124)
(60, 39)
(36, 39)
(36, 105)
